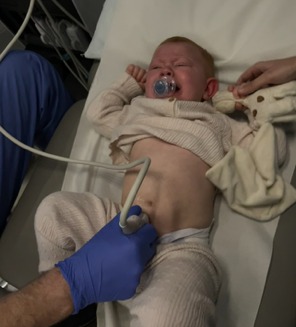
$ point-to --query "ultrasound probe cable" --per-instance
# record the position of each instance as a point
(145, 162)
(135, 222)
(20, 31)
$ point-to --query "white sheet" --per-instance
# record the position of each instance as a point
(97, 44)
(238, 34)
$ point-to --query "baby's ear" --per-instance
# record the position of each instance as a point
(211, 88)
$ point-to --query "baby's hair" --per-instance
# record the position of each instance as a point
(206, 55)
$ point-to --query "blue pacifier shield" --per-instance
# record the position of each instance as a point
(164, 86)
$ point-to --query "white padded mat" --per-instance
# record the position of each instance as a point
(238, 34)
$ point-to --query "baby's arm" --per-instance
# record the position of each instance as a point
(107, 109)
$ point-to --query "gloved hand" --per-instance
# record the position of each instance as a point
(109, 266)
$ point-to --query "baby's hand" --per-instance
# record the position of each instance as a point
(138, 73)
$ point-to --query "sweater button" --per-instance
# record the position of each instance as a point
(171, 99)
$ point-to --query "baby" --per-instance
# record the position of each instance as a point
(184, 136)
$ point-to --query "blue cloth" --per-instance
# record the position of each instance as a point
(33, 100)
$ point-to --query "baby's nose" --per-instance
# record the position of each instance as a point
(167, 72)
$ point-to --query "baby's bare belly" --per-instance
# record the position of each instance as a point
(175, 192)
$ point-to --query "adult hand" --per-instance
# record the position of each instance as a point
(263, 74)
(109, 266)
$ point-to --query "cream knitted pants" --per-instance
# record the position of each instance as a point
(179, 287)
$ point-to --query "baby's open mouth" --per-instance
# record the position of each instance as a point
(177, 88)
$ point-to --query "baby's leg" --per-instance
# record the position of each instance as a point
(179, 288)
(64, 221)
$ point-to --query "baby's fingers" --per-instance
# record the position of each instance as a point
(137, 72)
(130, 68)
(140, 74)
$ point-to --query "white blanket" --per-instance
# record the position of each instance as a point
(238, 34)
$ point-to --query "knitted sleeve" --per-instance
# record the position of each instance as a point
(108, 108)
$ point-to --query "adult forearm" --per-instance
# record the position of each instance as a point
(90, 275)
(44, 302)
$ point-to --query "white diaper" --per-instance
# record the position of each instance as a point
(187, 234)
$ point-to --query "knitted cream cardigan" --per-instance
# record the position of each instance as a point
(121, 115)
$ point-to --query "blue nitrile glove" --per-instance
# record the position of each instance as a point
(109, 266)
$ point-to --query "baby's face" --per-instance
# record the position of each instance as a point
(185, 64)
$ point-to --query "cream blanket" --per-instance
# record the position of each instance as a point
(250, 181)
(249, 178)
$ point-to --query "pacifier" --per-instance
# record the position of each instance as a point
(164, 86)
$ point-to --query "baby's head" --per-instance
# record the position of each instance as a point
(191, 67)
